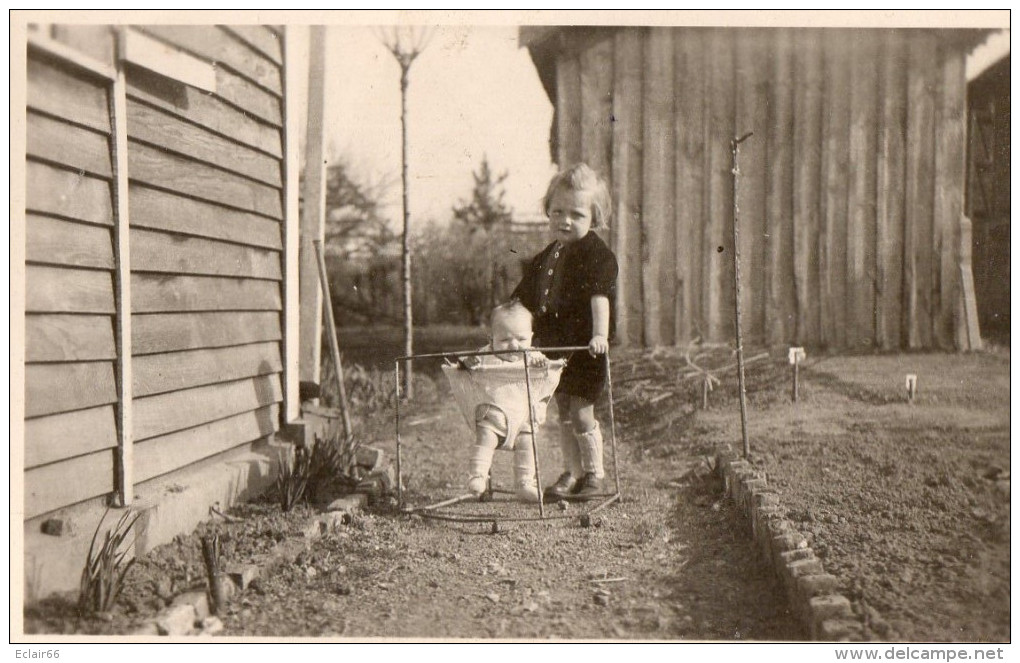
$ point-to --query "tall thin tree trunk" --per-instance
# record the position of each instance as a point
(406, 271)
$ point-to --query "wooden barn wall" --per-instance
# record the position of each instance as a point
(851, 187)
(205, 204)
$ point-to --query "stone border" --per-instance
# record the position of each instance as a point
(825, 614)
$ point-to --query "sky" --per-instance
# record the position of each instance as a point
(472, 94)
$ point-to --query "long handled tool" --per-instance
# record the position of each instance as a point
(334, 344)
(735, 151)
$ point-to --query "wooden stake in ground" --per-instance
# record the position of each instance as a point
(211, 557)
(334, 344)
(735, 150)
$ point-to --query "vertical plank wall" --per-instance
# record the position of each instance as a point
(206, 238)
(851, 186)
(205, 174)
(70, 389)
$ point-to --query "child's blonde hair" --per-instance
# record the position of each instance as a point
(581, 177)
(510, 310)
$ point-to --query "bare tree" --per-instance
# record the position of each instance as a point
(406, 44)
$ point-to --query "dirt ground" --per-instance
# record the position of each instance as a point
(907, 504)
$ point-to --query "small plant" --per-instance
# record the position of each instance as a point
(293, 478)
(102, 579)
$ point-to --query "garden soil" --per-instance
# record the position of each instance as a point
(906, 503)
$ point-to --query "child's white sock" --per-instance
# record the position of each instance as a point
(590, 445)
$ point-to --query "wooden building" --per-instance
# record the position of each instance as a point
(161, 261)
(988, 195)
(851, 193)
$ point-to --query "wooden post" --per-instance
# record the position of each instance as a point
(291, 231)
(312, 223)
(122, 282)
(735, 169)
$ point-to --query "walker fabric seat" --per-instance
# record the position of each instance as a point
(482, 384)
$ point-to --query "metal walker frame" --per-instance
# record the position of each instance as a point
(433, 511)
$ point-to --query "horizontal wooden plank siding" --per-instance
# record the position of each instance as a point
(169, 171)
(58, 142)
(188, 331)
(67, 193)
(160, 373)
(160, 293)
(166, 131)
(159, 252)
(260, 38)
(60, 93)
(178, 410)
(249, 97)
(51, 486)
(95, 41)
(162, 210)
(57, 242)
(156, 194)
(59, 290)
(204, 110)
(162, 455)
(53, 438)
(52, 388)
(50, 338)
(216, 45)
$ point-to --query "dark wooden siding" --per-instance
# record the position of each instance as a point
(851, 186)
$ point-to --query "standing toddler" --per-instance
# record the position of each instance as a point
(570, 288)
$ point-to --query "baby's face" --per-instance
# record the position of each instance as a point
(511, 334)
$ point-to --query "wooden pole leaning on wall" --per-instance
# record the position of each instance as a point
(735, 151)
(334, 344)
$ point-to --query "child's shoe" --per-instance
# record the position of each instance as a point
(563, 488)
(590, 487)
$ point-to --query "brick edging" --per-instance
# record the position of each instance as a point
(825, 614)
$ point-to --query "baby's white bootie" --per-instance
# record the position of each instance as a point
(525, 484)
(478, 469)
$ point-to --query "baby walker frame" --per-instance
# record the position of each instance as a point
(436, 510)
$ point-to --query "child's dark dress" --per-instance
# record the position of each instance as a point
(557, 287)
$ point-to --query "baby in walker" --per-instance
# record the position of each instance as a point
(502, 420)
